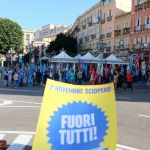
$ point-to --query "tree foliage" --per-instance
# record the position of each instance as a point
(63, 41)
(11, 36)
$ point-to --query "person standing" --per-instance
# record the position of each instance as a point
(6, 79)
(16, 78)
(129, 81)
(115, 80)
(79, 77)
(120, 81)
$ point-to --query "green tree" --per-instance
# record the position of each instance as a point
(63, 41)
(11, 36)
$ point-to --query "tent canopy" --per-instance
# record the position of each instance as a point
(63, 57)
(44, 58)
(112, 59)
(87, 57)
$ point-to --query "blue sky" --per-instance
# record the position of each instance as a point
(31, 14)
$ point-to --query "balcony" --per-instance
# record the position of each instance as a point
(87, 38)
(126, 31)
(93, 36)
(146, 4)
(122, 47)
(109, 34)
(142, 6)
(139, 7)
(138, 28)
(146, 27)
(117, 32)
(90, 23)
(102, 36)
(102, 21)
(109, 18)
(84, 27)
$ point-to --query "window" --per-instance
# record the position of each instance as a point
(28, 37)
(110, 13)
(139, 2)
(126, 25)
(146, 40)
(137, 40)
(147, 20)
(138, 22)
(118, 27)
(104, 16)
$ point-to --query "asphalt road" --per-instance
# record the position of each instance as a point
(19, 111)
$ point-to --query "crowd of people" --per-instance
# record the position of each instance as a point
(82, 73)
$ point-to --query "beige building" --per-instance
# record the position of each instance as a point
(122, 35)
(110, 10)
(28, 39)
(48, 33)
(87, 29)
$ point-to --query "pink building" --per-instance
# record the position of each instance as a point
(140, 39)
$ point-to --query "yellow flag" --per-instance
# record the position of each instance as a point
(75, 117)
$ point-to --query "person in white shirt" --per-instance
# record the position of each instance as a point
(16, 77)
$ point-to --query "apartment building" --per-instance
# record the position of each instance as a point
(110, 10)
(122, 34)
(87, 29)
(49, 32)
(28, 39)
(141, 28)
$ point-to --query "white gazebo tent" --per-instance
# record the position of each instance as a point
(62, 57)
(88, 57)
(44, 58)
(112, 59)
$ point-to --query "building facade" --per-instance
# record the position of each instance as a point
(87, 29)
(49, 32)
(28, 39)
(110, 10)
(122, 34)
(141, 28)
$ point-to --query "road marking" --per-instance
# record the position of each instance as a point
(122, 147)
(123, 97)
(19, 106)
(20, 142)
(25, 136)
(17, 132)
(21, 101)
(2, 136)
(6, 102)
(17, 90)
(139, 90)
(145, 116)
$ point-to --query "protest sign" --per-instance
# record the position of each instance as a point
(75, 117)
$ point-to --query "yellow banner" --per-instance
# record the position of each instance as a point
(75, 117)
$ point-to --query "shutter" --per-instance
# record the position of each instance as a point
(135, 40)
(145, 20)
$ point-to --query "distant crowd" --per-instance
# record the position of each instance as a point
(85, 74)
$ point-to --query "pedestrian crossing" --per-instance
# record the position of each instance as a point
(24, 141)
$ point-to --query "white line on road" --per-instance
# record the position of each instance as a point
(17, 132)
(139, 90)
(123, 97)
(6, 102)
(20, 142)
(2, 136)
(20, 101)
(19, 106)
(145, 116)
(126, 147)
(17, 90)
